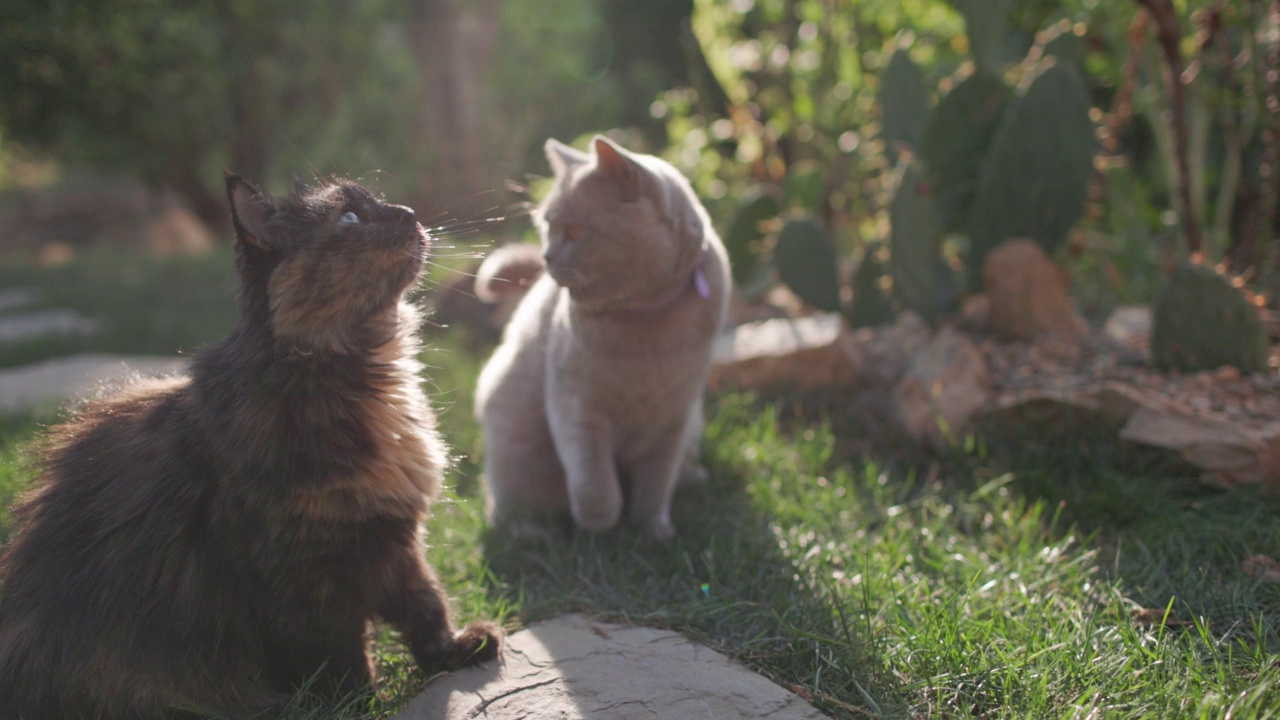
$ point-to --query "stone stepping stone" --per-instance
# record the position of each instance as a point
(45, 385)
(17, 327)
(16, 297)
(572, 668)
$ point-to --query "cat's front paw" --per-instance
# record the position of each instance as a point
(694, 474)
(660, 528)
(597, 512)
(477, 643)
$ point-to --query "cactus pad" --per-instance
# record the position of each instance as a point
(744, 239)
(870, 306)
(956, 140)
(904, 104)
(986, 23)
(1034, 180)
(922, 281)
(806, 261)
(1202, 322)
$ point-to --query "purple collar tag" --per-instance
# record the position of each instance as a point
(700, 282)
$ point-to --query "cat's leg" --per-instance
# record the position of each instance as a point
(653, 481)
(595, 489)
(692, 471)
(415, 604)
(522, 474)
(323, 653)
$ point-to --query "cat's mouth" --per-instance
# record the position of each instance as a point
(414, 240)
(565, 277)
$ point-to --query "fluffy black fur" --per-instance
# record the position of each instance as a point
(211, 544)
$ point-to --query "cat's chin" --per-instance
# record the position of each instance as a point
(566, 279)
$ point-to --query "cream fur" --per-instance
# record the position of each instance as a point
(588, 397)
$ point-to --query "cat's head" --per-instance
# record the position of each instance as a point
(616, 225)
(323, 263)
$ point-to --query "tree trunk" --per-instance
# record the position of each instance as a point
(453, 46)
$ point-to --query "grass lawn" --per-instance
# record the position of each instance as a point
(1036, 577)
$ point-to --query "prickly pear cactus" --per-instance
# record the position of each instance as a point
(1202, 322)
(1035, 177)
(744, 238)
(986, 23)
(956, 140)
(904, 104)
(922, 281)
(871, 306)
(806, 261)
(1061, 41)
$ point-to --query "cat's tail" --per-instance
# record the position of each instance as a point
(509, 269)
(505, 276)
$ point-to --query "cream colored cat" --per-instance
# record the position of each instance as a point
(593, 401)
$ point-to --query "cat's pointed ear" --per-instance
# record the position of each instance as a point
(617, 164)
(562, 157)
(250, 211)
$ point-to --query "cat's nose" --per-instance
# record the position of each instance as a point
(401, 213)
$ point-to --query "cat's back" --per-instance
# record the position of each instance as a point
(105, 465)
(103, 553)
(516, 370)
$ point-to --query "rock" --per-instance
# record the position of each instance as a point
(177, 231)
(1129, 326)
(881, 354)
(572, 668)
(945, 386)
(802, 353)
(17, 297)
(742, 310)
(1229, 453)
(55, 253)
(45, 385)
(975, 312)
(20, 327)
(1027, 294)
(1105, 403)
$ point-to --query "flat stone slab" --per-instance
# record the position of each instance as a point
(572, 668)
(52, 382)
(804, 352)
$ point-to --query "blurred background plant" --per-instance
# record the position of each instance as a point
(893, 143)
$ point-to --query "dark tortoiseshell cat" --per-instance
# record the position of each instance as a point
(213, 543)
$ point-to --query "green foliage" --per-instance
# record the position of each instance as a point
(922, 281)
(175, 92)
(806, 261)
(1203, 322)
(904, 104)
(1034, 180)
(427, 102)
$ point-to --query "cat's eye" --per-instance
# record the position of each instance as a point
(572, 232)
(349, 218)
